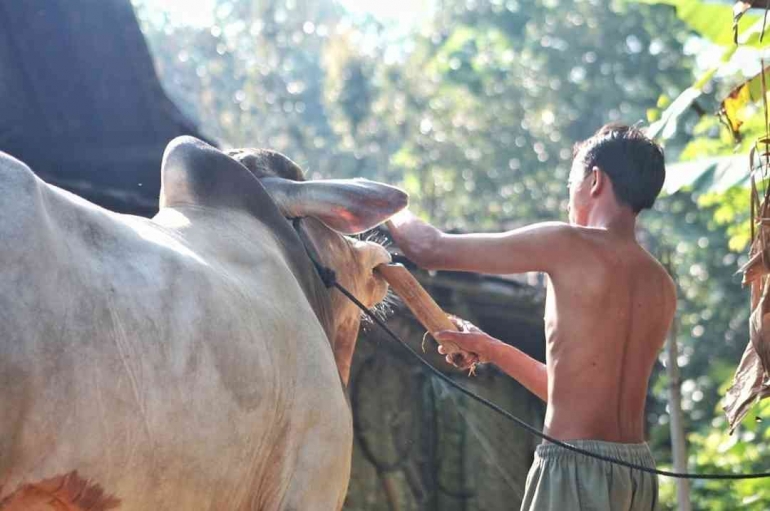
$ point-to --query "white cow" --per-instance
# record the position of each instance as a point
(192, 361)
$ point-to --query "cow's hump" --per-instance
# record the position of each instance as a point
(195, 173)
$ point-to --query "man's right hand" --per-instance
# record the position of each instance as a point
(417, 239)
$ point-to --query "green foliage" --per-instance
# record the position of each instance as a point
(716, 451)
(709, 140)
(664, 123)
(731, 209)
(710, 19)
(709, 137)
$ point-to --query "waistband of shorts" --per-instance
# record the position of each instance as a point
(639, 454)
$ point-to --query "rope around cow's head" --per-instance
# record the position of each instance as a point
(328, 277)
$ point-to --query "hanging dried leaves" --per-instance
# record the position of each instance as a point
(736, 108)
(739, 9)
(751, 378)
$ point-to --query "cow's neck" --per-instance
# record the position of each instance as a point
(344, 344)
(202, 224)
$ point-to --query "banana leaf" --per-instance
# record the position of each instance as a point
(716, 174)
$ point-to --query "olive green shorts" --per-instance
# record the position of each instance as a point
(563, 480)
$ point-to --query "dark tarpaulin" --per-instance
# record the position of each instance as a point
(80, 101)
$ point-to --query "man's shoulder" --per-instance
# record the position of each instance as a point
(600, 250)
(565, 231)
(585, 240)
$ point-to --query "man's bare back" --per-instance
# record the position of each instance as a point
(606, 318)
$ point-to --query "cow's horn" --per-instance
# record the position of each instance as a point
(349, 206)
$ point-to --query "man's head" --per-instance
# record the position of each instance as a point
(617, 165)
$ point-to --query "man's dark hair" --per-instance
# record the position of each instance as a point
(633, 162)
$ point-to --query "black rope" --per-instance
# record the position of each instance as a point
(328, 276)
(435, 372)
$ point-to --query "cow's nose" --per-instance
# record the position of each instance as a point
(379, 254)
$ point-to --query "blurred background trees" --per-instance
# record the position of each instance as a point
(473, 106)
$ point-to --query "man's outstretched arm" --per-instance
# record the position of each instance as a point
(513, 362)
(538, 247)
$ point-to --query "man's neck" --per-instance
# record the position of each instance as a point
(618, 221)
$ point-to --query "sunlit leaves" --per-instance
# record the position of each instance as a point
(716, 451)
(664, 124)
(731, 209)
(709, 19)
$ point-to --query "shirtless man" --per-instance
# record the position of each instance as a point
(609, 307)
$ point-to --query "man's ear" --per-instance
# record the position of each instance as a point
(598, 181)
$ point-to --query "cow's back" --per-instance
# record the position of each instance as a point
(178, 367)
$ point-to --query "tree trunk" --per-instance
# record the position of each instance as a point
(678, 439)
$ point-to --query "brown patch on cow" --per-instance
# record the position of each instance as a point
(68, 492)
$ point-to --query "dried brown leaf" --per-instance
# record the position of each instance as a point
(749, 385)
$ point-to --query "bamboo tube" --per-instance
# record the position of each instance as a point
(424, 308)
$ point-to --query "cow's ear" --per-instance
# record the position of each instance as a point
(349, 206)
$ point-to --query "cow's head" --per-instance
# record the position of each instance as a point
(332, 210)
